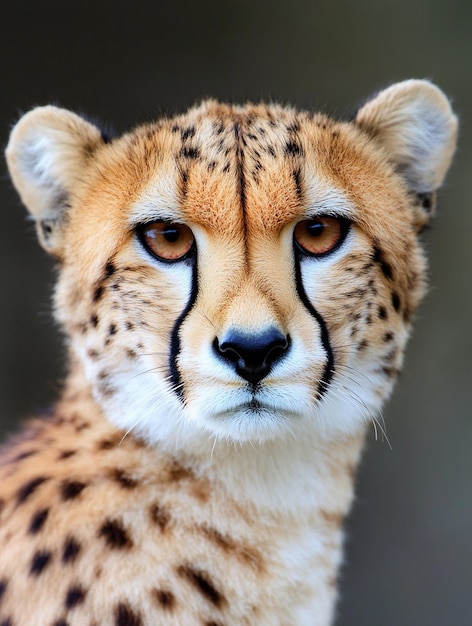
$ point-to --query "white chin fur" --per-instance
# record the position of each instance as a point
(149, 409)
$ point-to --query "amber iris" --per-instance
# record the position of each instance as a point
(320, 235)
(167, 240)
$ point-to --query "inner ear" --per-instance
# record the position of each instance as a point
(414, 122)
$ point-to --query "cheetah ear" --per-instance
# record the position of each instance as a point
(47, 154)
(417, 127)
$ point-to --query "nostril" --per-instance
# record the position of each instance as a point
(253, 355)
(227, 351)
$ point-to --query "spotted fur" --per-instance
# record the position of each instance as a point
(183, 478)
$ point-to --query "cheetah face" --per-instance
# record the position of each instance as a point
(242, 273)
(249, 354)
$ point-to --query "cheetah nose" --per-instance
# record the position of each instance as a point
(252, 354)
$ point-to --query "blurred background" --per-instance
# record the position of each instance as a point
(409, 545)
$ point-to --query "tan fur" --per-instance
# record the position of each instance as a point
(140, 502)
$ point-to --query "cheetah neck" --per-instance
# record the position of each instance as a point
(288, 497)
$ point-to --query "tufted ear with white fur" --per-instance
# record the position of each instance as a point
(414, 122)
(47, 153)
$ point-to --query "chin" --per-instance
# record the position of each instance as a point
(253, 422)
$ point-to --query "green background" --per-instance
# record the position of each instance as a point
(409, 544)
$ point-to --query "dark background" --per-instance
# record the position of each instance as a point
(409, 547)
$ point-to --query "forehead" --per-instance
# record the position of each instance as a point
(232, 168)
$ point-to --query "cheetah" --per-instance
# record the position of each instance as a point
(236, 286)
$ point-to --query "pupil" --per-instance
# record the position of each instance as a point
(315, 229)
(171, 234)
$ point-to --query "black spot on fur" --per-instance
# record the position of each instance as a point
(94, 320)
(387, 337)
(384, 266)
(426, 201)
(29, 488)
(202, 583)
(60, 622)
(125, 481)
(115, 534)
(110, 269)
(382, 313)
(71, 550)
(297, 180)
(159, 516)
(66, 454)
(37, 521)
(106, 444)
(125, 616)
(40, 562)
(71, 489)
(112, 329)
(165, 598)
(188, 133)
(75, 595)
(189, 152)
(3, 587)
(292, 149)
(184, 184)
(294, 127)
(97, 294)
(396, 301)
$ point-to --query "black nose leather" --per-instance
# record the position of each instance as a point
(252, 355)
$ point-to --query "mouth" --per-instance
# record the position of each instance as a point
(252, 420)
(254, 405)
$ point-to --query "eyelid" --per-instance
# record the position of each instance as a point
(340, 212)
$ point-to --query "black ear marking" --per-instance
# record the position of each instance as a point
(425, 208)
(47, 228)
(49, 233)
(427, 201)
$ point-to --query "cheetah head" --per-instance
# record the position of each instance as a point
(238, 272)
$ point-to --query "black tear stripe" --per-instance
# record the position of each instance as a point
(329, 367)
(175, 377)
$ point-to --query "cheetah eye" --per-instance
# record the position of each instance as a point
(320, 235)
(168, 241)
